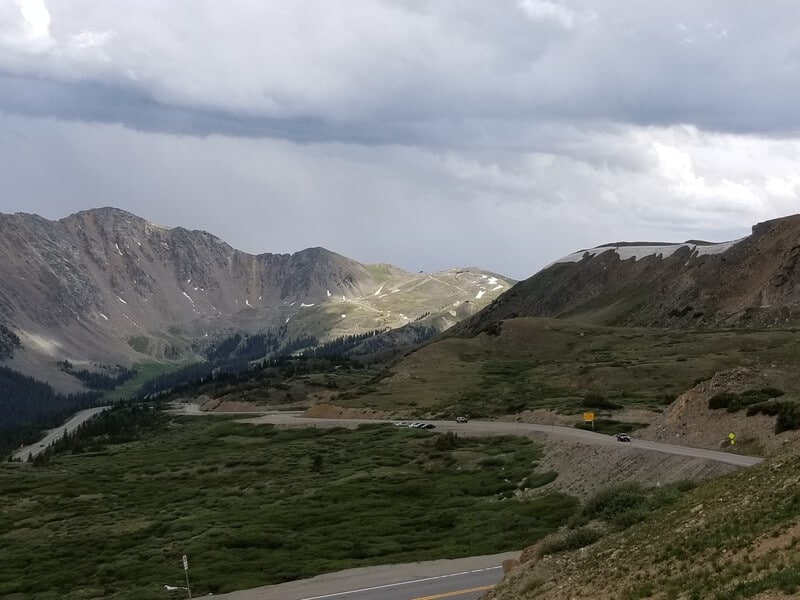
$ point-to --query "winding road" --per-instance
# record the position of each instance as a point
(52, 435)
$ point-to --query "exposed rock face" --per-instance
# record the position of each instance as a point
(109, 262)
(751, 282)
(105, 285)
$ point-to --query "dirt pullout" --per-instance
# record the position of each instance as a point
(330, 411)
(689, 422)
(221, 406)
(584, 469)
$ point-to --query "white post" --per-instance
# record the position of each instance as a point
(186, 571)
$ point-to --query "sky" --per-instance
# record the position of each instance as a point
(426, 134)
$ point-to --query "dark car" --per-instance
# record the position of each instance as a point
(428, 426)
(622, 437)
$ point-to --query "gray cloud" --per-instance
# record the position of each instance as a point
(420, 208)
(431, 135)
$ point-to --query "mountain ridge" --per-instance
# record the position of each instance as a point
(88, 286)
(750, 282)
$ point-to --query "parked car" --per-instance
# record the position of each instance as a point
(428, 426)
(461, 419)
(403, 424)
(622, 437)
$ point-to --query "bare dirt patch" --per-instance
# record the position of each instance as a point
(330, 411)
(584, 469)
(222, 406)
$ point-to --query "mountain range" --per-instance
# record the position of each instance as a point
(105, 287)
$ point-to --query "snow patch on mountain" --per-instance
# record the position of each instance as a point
(189, 298)
(637, 251)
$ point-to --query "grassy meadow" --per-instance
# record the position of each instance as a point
(565, 366)
(145, 370)
(252, 505)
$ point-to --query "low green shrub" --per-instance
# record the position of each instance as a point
(612, 502)
(786, 411)
(628, 503)
(734, 402)
(788, 418)
(573, 540)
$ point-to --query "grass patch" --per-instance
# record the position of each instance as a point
(145, 370)
(252, 505)
(598, 401)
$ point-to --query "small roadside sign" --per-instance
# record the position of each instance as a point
(588, 416)
(732, 438)
(185, 563)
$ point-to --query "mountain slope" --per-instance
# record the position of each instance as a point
(732, 538)
(106, 286)
(754, 281)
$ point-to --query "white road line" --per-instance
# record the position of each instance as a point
(389, 585)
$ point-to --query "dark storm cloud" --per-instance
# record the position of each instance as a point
(105, 102)
(381, 72)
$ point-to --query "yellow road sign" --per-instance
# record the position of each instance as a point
(587, 416)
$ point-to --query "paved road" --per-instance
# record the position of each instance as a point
(526, 429)
(53, 434)
(460, 579)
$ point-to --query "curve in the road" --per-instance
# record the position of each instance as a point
(505, 428)
(52, 435)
